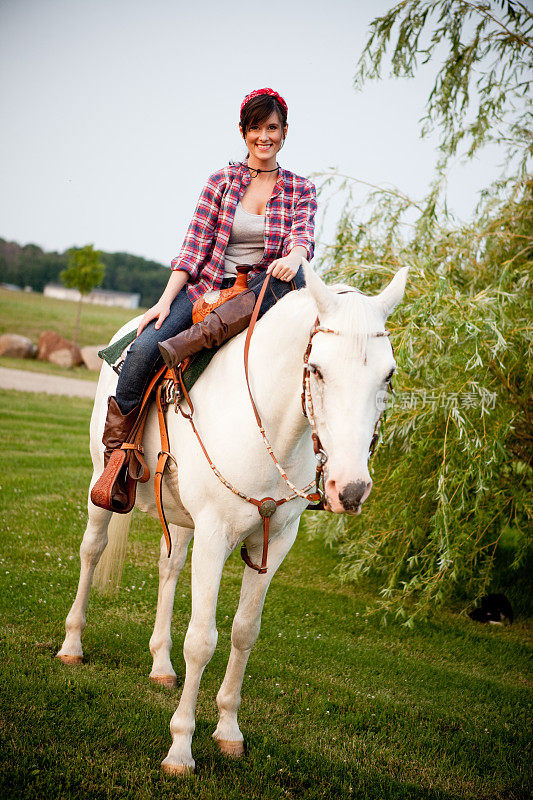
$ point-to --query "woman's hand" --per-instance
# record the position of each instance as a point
(286, 268)
(160, 312)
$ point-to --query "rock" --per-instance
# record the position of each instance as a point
(54, 348)
(63, 358)
(15, 346)
(90, 356)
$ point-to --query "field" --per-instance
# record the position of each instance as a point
(29, 314)
(334, 704)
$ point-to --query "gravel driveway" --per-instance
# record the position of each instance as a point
(26, 381)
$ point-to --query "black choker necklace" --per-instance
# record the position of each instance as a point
(255, 172)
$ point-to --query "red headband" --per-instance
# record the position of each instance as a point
(268, 91)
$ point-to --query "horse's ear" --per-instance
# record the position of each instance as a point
(392, 294)
(324, 298)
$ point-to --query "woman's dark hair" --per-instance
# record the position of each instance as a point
(260, 108)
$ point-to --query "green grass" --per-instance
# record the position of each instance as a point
(30, 314)
(334, 704)
(32, 365)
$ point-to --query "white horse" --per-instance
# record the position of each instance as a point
(350, 366)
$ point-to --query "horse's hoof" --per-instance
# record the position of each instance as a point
(170, 681)
(70, 660)
(181, 770)
(231, 749)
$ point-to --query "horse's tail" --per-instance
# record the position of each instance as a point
(108, 571)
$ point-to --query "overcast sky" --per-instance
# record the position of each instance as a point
(116, 111)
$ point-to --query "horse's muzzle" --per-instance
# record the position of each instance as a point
(350, 498)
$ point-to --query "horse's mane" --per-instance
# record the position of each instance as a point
(355, 316)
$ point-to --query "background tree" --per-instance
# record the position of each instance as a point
(84, 272)
(450, 513)
(31, 266)
(481, 93)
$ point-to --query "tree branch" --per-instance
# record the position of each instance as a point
(483, 12)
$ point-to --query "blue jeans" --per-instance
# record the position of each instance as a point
(144, 358)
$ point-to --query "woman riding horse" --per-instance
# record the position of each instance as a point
(252, 212)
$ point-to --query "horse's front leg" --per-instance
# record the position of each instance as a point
(244, 633)
(210, 551)
(92, 546)
(169, 570)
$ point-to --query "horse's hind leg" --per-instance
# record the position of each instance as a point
(92, 546)
(244, 633)
(169, 570)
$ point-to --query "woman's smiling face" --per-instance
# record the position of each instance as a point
(264, 139)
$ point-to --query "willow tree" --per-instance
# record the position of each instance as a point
(481, 92)
(453, 477)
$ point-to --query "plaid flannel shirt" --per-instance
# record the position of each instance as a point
(289, 221)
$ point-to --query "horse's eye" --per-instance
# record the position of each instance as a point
(314, 369)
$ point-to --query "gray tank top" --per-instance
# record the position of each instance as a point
(246, 243)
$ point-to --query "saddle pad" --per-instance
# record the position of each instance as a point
(112, 353)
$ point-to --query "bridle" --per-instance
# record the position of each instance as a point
(267, 506)
(309, 412)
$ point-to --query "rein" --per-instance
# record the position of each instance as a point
(267, 506)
